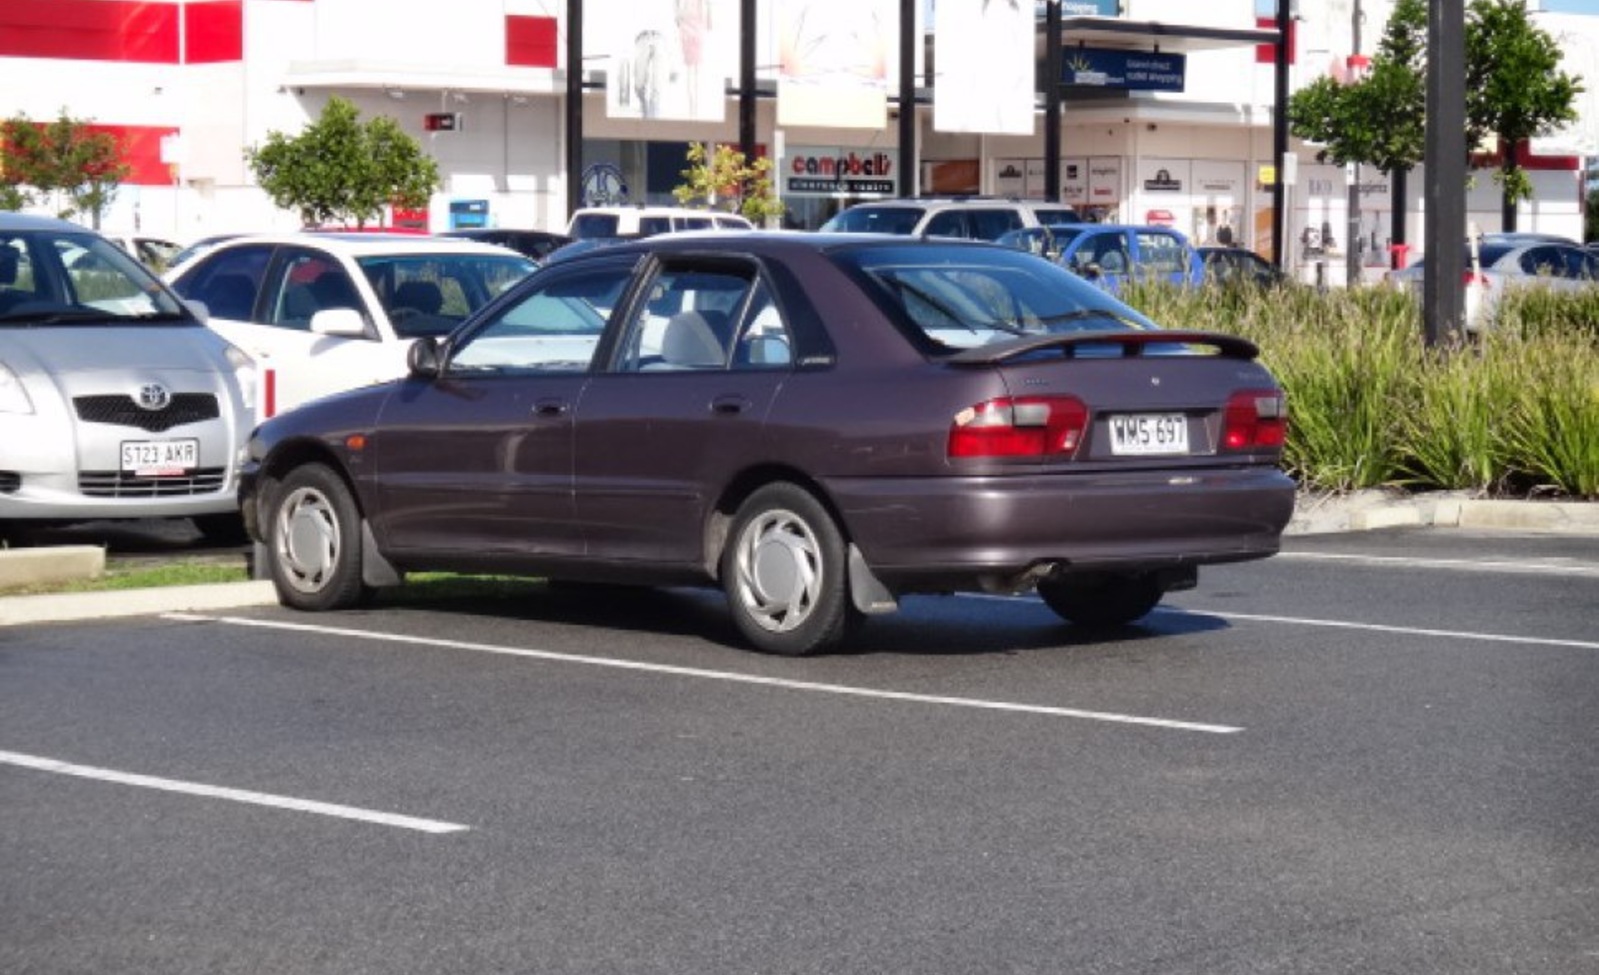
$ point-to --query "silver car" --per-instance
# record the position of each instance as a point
(1506, 261)
(115, 400)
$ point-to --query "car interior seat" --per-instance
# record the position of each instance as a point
(229, 296)
(424, 296)
(691, 341)
(333, 290)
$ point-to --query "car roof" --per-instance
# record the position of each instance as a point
(366, 245)
(10, 221)
(771, 242)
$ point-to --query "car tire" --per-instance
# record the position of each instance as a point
(313, 540)
(783, 571)
(1107, 600)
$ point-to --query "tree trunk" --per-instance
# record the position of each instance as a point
(1507, 210)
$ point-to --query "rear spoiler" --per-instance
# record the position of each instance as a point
(1132, 342)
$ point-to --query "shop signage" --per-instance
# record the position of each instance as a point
(1084, 8)
(1127, 70)
(839, 172)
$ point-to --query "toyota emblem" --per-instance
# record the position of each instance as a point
(153, 397)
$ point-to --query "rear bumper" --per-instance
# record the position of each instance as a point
(970, 532)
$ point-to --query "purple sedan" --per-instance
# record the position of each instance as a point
(817, 424)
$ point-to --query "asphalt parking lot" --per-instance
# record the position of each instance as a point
(1372, 753)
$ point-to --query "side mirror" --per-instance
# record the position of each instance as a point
(344, 322)
(425, 358)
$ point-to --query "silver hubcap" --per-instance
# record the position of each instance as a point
(779, 570)
(307, 539)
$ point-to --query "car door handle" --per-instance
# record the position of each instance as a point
(550, 407)
(731, 403)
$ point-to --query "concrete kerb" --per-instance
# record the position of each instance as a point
(1314, 514)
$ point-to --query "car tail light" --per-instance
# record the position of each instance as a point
(1255, 419)
(1025, 426)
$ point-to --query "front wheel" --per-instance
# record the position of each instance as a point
(784, 573)
(1109, 600)
(314, 541)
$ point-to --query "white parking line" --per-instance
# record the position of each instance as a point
(233, 795)
(718, 675)
(1562, 567)
(1385, 628)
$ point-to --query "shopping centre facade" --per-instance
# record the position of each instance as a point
(1167, 107)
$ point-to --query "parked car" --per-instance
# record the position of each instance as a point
(1504, 262)
(819, 424)
(536, 244)
(1111, 254)
(153, 252)
(115, 401)
(322, 312)
(197, 247)
(646, 221)
(1239, 265)
(974, 218)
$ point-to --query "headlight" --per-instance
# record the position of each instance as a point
(13, 398)
(244, 368)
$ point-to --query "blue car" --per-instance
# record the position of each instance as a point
(1110, 254)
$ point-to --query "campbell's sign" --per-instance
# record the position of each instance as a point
(831, 171)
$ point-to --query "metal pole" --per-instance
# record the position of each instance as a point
(1052, 80)
(574, 106)
(1279, 137)
(909, 177)
(746, 79)
(1352, 235)
(1445, 223)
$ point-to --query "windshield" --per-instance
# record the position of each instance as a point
(430, 294)
(965, 296)
(50, 276)
(874, 220)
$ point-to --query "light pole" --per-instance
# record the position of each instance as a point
(1352, 234)
(1052, 71)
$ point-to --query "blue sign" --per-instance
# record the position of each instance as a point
(1088, 67)
(1085, 8)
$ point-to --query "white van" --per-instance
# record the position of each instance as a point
(646, 221)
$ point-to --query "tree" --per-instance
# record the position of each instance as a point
(338, 170)
(1379, 120)
(724, 181)
(67, 157)
(1515, 89)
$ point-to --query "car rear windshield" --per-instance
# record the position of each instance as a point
(965, 296)
(875, 220)
(586, 225)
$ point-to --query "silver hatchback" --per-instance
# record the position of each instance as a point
(115, 400)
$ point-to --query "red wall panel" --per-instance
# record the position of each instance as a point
(213, 32)
(141, 150)
(530, 42)
(90, 30)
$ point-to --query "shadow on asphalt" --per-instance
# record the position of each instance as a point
(149, 539)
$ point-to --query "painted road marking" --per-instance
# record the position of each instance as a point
(233, 795)
(1385, 628)
(717, 675)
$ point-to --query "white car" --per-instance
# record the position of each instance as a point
(646, 221)
(325, 312)
(115, 401)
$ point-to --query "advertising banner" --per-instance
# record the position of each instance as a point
(670, 59)
(983, 80)
(833, 61)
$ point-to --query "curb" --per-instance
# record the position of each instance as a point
(64, 607)
(1376, 510)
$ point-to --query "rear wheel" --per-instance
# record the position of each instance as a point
(314, 541)
(1101, 600)
(784, 573)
